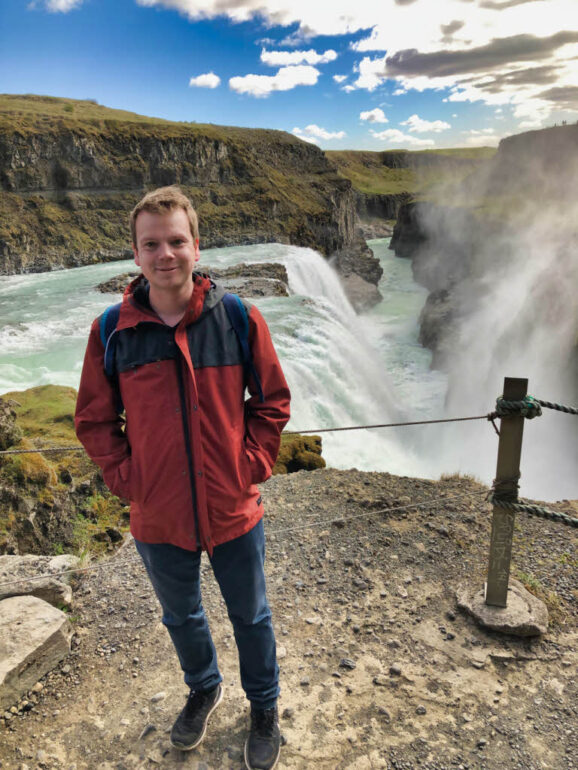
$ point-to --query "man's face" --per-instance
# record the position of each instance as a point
(165, 250)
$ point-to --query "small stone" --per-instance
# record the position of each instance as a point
(482, 743)
(150, 728)
(281, 652)
(41, 755)
(380, 681)
(38, 687)
(450, 615)
(421, 710)
(66, 670)
(125, 722)
(347, 663)
(288, 713)
(395, 669)
(158, 697)
(382, 711)
(305, 682)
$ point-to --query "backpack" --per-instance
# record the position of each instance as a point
(237, 316)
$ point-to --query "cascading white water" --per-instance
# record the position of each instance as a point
(519, 318)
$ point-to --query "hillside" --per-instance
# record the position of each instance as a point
(384, 181)
(71, 170)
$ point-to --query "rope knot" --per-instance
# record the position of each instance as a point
(529, 408)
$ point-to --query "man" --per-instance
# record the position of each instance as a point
(189, 457)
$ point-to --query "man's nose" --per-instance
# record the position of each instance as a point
(165, 250)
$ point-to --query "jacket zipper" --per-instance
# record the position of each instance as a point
(187, 434)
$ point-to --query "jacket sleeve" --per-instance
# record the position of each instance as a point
(99, 427)
(265, 420)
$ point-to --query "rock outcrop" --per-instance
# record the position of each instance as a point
(67, 185)
(259, 280)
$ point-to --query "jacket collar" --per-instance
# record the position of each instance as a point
(136, 306)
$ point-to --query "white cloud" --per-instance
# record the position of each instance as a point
(485, 137)
(484, 51)
(286, 79)
(418, 125)
(339, 78)
(284, 58)
(374, 116)
(208, 80)
(371, 73)
(61, 6)
(394, 135)
(314, 133)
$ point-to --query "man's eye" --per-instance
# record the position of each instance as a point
(150, 244)
(178, 242)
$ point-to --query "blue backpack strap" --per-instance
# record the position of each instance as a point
(108, 323)
(238, 317)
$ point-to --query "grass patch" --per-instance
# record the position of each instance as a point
(556, 613)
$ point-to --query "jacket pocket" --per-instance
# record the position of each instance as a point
(258, 469)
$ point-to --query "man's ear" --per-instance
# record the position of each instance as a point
(197, 252)
(136, 256)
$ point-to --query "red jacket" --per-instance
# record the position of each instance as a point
(192, 449)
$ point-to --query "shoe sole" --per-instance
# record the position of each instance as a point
(191, 746)
(248, 766)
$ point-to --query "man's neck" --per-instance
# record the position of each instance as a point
(170, 306)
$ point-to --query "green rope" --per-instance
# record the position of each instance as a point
(534, 510)
(529, 407)
(558, 407)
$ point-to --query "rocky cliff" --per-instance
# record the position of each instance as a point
(485, 224)
(71, 171)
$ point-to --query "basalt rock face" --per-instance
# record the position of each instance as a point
(66, 187)
(376, 206)
(486, 237)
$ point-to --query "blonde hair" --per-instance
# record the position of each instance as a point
(162, 201)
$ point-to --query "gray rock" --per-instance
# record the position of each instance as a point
(524, 615)
(10, 433)
(51, 589)
(34, 638)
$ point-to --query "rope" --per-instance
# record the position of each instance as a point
(533, 510)
(529, 407)
(386, 425)
(44, 449)
(112, 562)
(558, 407)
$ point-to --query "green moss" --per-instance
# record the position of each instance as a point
(297, 453)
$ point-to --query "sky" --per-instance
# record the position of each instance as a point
(344, 74)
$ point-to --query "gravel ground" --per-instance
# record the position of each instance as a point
(378, 667)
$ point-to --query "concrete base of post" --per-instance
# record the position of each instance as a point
(525, 615)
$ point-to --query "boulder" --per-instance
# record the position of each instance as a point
(46, 586)
(524, 615)
(34, 638)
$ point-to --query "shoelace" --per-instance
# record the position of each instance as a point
(263, 721)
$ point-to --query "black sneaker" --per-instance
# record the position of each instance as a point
(264, 742)
(191, 725)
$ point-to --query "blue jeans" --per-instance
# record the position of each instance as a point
(238, 569)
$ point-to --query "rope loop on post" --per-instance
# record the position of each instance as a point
(529, 407)
(533, 510)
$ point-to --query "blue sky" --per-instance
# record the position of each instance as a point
(346, 74)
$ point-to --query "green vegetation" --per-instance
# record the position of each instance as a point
(556, 614)
(54, 502)
(400, 171)
(299, 453)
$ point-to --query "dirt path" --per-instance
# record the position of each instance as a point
(379, 669)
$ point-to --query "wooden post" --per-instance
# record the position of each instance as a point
(507, 472)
